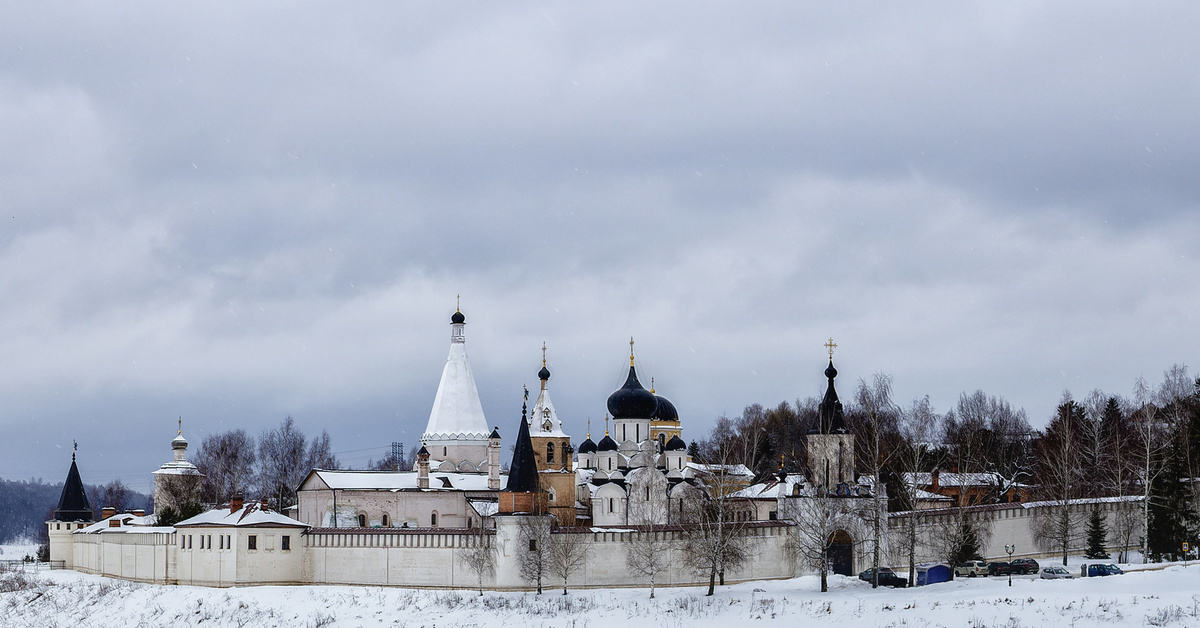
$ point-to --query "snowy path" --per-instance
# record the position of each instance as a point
(1167, 597)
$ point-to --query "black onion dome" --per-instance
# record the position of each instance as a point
(676, 444)
(544, 374)
(632, 401)
(607, 444)
(666, 410)
(457, 317)
(830, 372)
(587, 447)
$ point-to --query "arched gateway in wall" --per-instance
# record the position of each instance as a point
(841, 553)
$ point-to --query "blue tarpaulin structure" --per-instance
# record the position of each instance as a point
(932, 573)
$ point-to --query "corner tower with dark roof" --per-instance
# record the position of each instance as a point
(523, 494)
(830, 446)
(73, 513)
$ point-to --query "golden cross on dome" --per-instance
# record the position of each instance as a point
(458, 303)
(589, 420)
(181, 426)
(631, 351)
(543, 354)
(831, 346)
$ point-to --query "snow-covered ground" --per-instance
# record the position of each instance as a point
(18, 550)
(1167, 596)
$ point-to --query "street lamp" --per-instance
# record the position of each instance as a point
(1010, 549)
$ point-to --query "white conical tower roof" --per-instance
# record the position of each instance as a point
(457, 413)
(543, 421)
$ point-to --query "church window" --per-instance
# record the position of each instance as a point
(610, 505)
(772, 515)
(549, 452)
(433, 519)
(647, 493)
(362, 521)
(182, 541)
(189, 541)
(551, 495)
(286, 543)
(210, 541)
(221, 541)
(637, 433)
(444, 452)
(610, 464)
(252, 542)
(385, 520)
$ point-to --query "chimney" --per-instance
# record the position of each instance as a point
(493, 460)
(107, 512)
(114, 523)
(235, 502)
(933, 480)
(262, 505)
(138, 512)
(423, 468)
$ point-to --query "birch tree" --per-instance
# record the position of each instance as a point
(568, 554)
(533, 550)
(648, 546)
(818, 517)
(875, 399)
(478, 555)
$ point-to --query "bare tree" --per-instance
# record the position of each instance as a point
(227, 461)
(1059, 461)
(568, 554)
(1152, 444)
(533, 551)
(646, 552)
(818, 517)
(875, 399)
(479, 555)
(714, 525)
(284, 458)
(916, 428)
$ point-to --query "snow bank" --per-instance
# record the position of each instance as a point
(1159, 597)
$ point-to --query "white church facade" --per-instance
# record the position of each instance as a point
(414, 527)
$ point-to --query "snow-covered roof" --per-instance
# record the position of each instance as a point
(130, 523)
(727, 469)
(400, 480)
(948, 478)
(772, 489)
(457, 413)
(543, 419)
(250, 515)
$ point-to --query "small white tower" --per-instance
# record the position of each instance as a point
(457, 430)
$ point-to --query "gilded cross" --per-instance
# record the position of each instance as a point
(543, 354)
(831, 346)
(631, 351)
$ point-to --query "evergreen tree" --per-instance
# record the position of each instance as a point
(1172, 508)
(968, 544)
(1096, 536)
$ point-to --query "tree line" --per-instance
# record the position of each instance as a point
(1144, 446)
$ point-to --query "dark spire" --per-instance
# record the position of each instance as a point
(73, 503)
(830, 417)
(522, 472)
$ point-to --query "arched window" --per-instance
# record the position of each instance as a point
(362, 521)
(549, 452)
(551, 495)
(662, 442)
(433, 519)
(443, 452)
(385, 520)
(610, 505)
(610, 463)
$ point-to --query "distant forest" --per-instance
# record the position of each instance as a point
(26, 505)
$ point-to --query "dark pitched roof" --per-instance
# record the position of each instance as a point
(73, 503)
(830, 417)
(523, 473)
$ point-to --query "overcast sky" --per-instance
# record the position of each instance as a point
(233, 212)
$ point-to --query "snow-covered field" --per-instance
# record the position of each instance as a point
(1158, 597)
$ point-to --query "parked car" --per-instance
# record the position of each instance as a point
(883, 571)
(1025, 566)
(971, 568)
(1099, 569)
(892, 580)
(999, 568)
(1055, 573)
(1112, 570)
